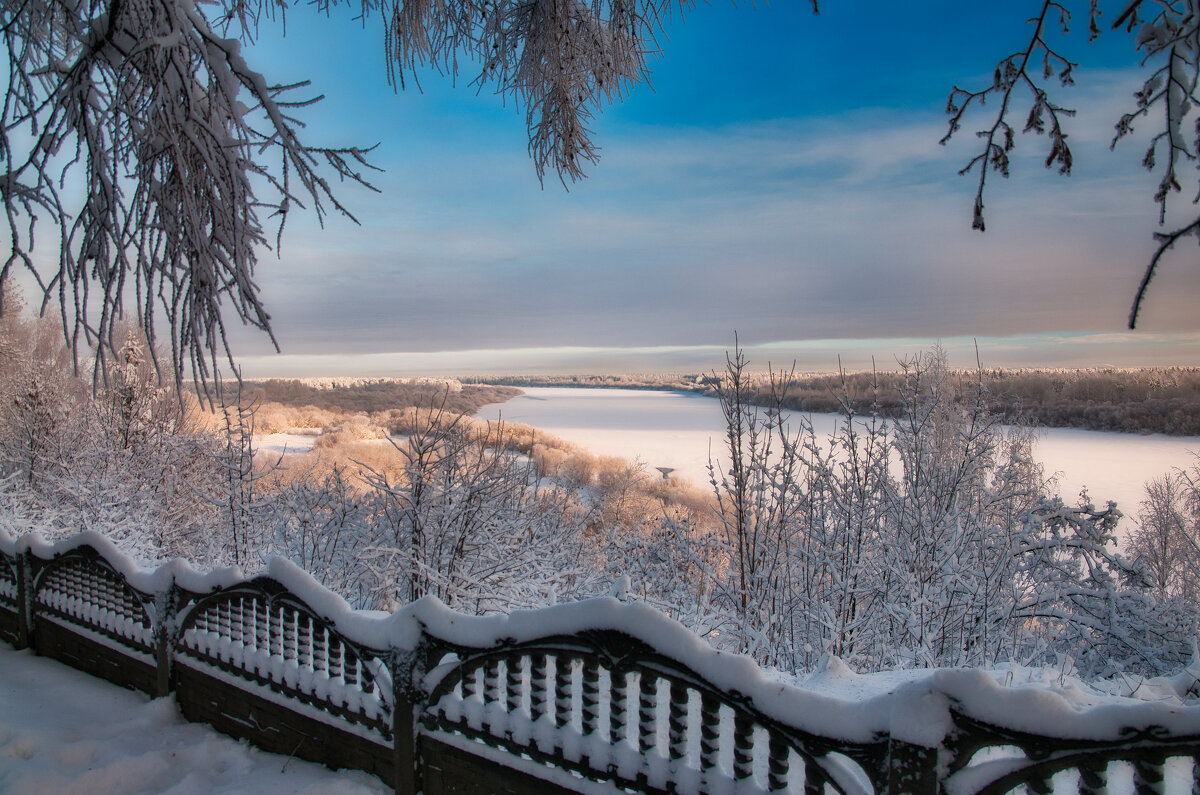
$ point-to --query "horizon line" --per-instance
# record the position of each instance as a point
(1046, 351)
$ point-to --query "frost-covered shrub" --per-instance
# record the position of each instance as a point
(1165, 540)
(352, 429)
(467, 520)
(926, 540)
(124, 458)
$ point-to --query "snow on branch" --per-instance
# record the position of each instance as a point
(560, 59)
(154, 151)
(1168, 36)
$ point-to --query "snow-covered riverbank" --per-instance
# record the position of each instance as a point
(677, 430)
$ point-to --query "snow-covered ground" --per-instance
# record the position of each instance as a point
(65, 732)
(279, 443)
(285, 442)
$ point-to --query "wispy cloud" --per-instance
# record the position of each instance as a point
(852, 226)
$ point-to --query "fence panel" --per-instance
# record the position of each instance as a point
(86, 614)
(579, 709)
(310, 692)
(10, 600)
(992, 760)
(605, 707)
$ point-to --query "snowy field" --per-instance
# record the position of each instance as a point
(279, 443)
(285, 443)
(676, 429)
(63, 732)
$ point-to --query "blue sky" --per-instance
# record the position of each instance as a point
(782, 179)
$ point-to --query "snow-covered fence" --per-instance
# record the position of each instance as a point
(84, 612)
(255, 661)
(599, 695)
(609, 706)
(11, 601)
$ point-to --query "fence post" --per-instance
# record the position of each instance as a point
(24, 599)
(912, 768)
(165, 607)
(407, 704)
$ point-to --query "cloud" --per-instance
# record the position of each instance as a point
(854, 226)
(817, 355)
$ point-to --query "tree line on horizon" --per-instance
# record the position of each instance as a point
(1149, 400)
(377, 394)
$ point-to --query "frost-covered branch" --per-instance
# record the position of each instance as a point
(1010, 74)
(1167, 33)
(562, 60)
(1170, 34)
(175, 152)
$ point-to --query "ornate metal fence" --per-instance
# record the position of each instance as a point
(11, 601)
(611, 708)
(599, 696)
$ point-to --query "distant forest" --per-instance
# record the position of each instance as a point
(1160, 400)
(1150, 400)
(379, 394)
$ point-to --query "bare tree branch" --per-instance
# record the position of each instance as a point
(1011, 73)
(1167, 32)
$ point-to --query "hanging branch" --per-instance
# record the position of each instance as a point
(1171, 36)
(1168, 35)
(180, 148)
(1044, 116)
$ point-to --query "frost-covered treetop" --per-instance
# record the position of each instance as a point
(185, 153)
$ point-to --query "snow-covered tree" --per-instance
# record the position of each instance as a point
(958, 495)
(185, 152)
(466, 520)
(324, 524)
(837, 556)
(125, 460)
(1080, 598)
(244, 506)
(1165, 541)
(38, 429)
(754, 480)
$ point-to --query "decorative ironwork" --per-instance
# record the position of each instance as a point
(260, 632)
(82, 588)
(675, 745)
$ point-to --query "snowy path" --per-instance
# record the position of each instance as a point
(62, 731)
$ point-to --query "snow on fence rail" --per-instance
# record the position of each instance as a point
(595, 696)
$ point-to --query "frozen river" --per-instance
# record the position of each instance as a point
(675, 429)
